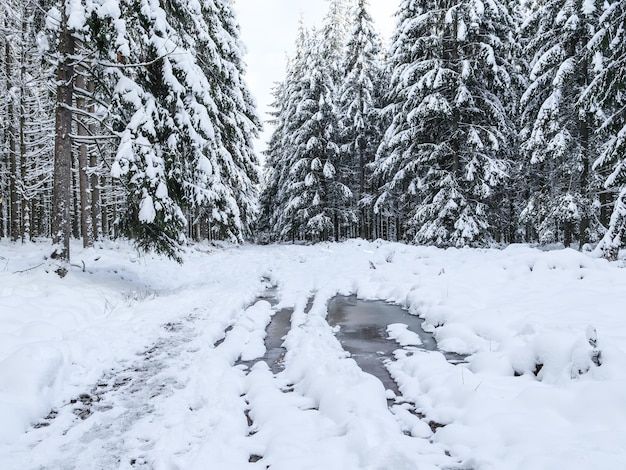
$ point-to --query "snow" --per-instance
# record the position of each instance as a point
(160, 345)
(402, 335)
(147, 211)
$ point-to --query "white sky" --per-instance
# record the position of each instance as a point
(269, 29)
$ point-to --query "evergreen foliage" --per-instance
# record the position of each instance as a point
(471, 129)
(154, 91)
(559, 138)
(607, 51)
(359, 100)
(306, 197)
(186, 122)
(449, 144)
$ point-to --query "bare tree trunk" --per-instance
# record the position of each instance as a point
(362, 232)
(25, 209)
(94, 180)
(83, 179)
(1, 217)
(75, 196)
(61, 197)
(3, 87)
(14, 207)
(567, 233)
(585, 129)
(104, 212)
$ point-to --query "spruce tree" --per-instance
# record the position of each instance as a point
(279, 154)
(449, 144)
(558, 138)
(185, 120)
(26, 124)
(358, 101)
(61, 200)
(607, 52)
(221, 60)
(319, 202)
(305, 196)
(335, 32)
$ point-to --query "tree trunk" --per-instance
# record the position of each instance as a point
(25, 209)
(584, 190)
(14, 207)
(567, 233)
(83, 179)
(61, 196)
(96, 211)
(362, 231)
(585, 143)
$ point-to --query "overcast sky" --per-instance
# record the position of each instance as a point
(269, 29)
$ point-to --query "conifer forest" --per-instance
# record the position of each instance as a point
(481, 123)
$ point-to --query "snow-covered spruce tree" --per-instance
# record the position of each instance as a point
(184, 134)
(607, 50)
(335, 32)
(451, 137)
(4, 85)
(62, 36)
(358, 103)
(511, 198)
(9, 110)
(270, 222)
(383, 223)
(304, 196)
(318, 202)
(559, 142)
(388, 198)
(221, 59)
(275, 197)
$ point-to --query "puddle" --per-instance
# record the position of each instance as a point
(363, 333)
(270, 295)
(276, 330)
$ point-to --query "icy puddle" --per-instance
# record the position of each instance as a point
(276, 330)
(362, 331)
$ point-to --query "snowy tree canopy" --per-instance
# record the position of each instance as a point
(185, 120)
(447, 148)
(559, 131)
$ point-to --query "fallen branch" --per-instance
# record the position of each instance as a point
(79, 266)
(29, 269)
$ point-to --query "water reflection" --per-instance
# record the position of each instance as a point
(363, 333)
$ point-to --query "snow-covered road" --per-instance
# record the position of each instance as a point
(141, 363)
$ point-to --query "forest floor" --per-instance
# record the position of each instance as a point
(244, 357)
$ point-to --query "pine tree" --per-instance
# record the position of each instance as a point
(305, 197)
(237, 121)
(558, 134)
(607, 51)
(448, 147)
(318, 199)
(185, 118)
(358, 102)
(335, 32)
(279, 154)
